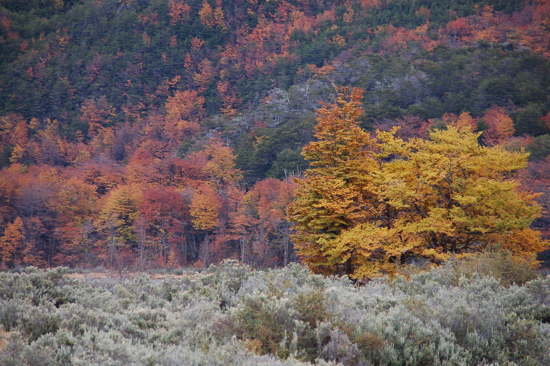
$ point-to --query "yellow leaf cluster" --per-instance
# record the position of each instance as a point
(368, 204)
(204, 208)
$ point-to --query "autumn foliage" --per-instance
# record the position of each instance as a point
(157, 210)
(368, 205)
(168, 133)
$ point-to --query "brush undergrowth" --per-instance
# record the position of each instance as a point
(232, 315)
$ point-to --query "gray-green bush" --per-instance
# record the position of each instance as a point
(232, 315)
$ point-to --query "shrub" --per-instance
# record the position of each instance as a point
(37, 321)
(498, 263)
(229, 314)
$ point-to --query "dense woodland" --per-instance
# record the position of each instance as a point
(167, 133)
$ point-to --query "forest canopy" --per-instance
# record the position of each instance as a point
(167, 133)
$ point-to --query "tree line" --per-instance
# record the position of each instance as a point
(170, 132)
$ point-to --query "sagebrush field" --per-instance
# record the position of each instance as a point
(484, 311)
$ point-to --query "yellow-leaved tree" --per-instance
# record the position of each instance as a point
(369, 204)
(120, 209)
(205, 211)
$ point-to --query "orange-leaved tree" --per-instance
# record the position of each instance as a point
(367, 205)
(11, 242)
(499, 126)
(335, 194)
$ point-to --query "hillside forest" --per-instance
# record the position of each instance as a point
(164, 133)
